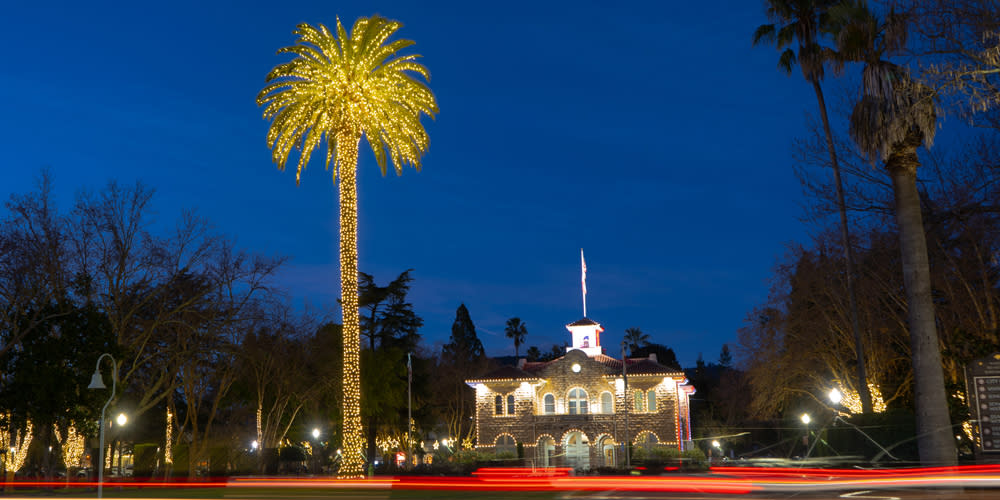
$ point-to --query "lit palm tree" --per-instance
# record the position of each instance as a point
(801, 20)
(635, 339)
(338, 88)
(516, 330)
(894, 117)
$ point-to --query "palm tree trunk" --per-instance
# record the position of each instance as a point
(864, 394)
(934, 431)
(353, 439)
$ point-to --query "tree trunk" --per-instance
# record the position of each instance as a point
(935, 439)
(354, 441)
(864, 394)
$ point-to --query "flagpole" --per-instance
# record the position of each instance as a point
(583, 282)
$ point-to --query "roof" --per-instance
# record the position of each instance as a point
(634, 366)
(584, 322)
(505, 373)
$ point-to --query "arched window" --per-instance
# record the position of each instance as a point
(549, 403)
(510, 404)
(640, 400)
(586, 341)
(651, 399)
(506, 445)
(646, 440)
(607, 403)
(498, 404)
(577, 401)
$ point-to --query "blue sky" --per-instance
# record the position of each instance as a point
(651, 134)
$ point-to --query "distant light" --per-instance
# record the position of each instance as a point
(254, 444)
(315, 433)
(715, 444)
(576, 367)
(122, 419)
(835, 396)
(444, 442)
(806, 418)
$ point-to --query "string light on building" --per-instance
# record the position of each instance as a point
(334, 96)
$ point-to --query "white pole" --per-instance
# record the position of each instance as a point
(583, 281)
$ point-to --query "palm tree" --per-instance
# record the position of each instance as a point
(802, 20)
(338, 88)
(895, 116)
(635, 339)
(516, 330)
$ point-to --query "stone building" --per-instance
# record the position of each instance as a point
(572, 411)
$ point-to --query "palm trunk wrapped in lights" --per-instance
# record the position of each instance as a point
(338, 88)
(347, 165)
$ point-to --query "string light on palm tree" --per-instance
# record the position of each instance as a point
(339, 87)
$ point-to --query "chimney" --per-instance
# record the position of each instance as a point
(652, 357)
(521, 362)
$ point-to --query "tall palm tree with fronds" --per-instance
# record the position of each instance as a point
(635, 339)
(893, 117)
(516, 330)
(339, 87)
(802, 21)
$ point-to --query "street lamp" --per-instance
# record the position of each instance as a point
(97, 382)
(835, 396)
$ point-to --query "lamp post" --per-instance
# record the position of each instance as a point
(121, 420)
(805, 439)
(97, 382)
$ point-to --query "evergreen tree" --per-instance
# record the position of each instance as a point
(533, 354)
(463, 345)
(664, 355)
(725, 358)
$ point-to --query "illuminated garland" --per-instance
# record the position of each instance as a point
(16, 449)
(338, 88)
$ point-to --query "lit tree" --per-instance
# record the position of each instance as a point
(338, 88)
(516, 330)
(802, 20)
(894, 117)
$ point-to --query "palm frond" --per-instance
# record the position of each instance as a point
(344, 83)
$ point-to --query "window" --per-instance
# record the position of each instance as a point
(640, 400)
(549, 403)
(506, 445)
(498, 403)
(651, 399)
(577, 401)
(586, 341)
(607, 403)
(510, 404)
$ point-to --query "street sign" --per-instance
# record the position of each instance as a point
(983, 379)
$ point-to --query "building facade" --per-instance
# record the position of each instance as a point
(579, 410)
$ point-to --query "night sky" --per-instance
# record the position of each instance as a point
(652, 135)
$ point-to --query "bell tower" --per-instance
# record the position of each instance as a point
(586, 336)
